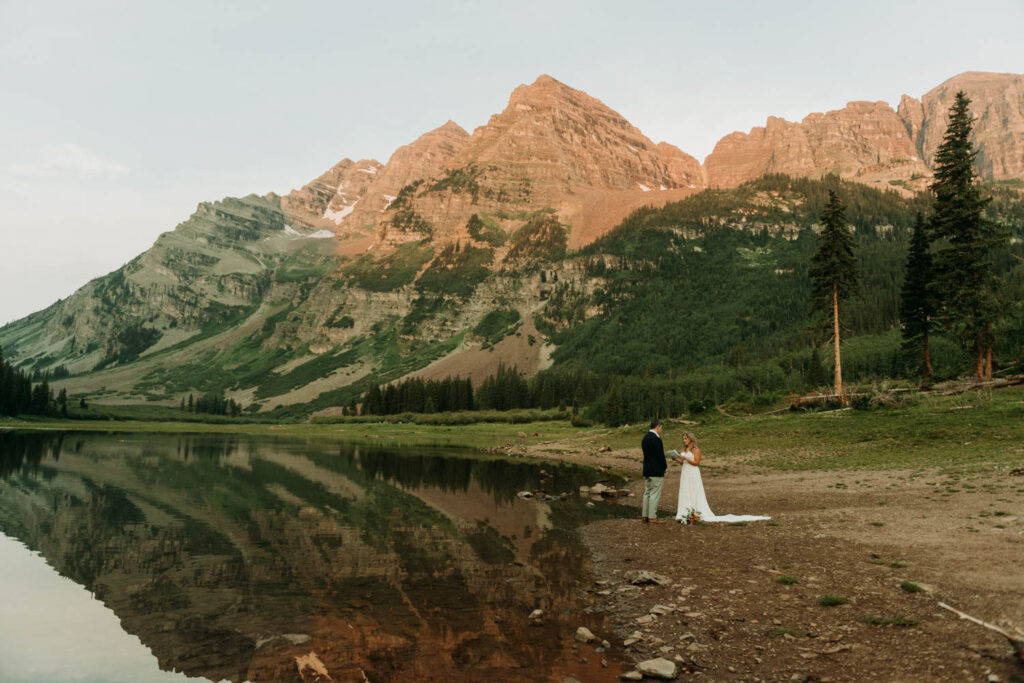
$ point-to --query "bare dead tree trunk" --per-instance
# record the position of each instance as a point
(928, 372)
(988, 351)
(979, 358)
(1016, 639)
(835, 338)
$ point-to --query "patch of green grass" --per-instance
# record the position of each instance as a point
(496, 325)
(457, 271)
(425, 308)
(485, 229)
(877, 523)
(897, 565)
(787, 580)
(888, 439)
(305, 264)
(896, 620)
(391, 271)
(831, 600)
(738, 523)
(542, 238)
(385, 432)
(313, 369)
(778, 632)
(909, 587)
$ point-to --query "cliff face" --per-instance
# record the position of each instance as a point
(997, 103)
(865, 141)
(869, 142)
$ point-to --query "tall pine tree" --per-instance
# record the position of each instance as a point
(966, 239)
(833, 274)
(918, 300)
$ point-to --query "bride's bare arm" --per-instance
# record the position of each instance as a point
(696, 456)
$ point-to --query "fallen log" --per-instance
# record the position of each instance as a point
(1016, 640)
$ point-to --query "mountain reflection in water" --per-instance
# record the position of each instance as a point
(261, 559)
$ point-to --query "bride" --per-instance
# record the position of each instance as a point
(691, 488)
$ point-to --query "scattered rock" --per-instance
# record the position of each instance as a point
(599, 489)
(632, 676)
(641, 577)
(661, 610)
(525, 494)
(522, 435)
(536, 617)
(605, 644)
(645, 619)
(658, 668)
(584, 635)
(569, 679)
(584, 490)
(630, 641)
(604, 449)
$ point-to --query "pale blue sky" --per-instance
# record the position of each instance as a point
(117, 118)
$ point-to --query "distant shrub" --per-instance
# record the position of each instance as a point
(832, 600)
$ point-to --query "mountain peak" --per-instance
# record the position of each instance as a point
(450, 127)
(545, 90)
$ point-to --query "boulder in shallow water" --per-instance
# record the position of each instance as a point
(584, 635)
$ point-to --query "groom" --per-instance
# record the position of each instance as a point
(654, 472)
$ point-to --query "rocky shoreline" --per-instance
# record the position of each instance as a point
(822, 592)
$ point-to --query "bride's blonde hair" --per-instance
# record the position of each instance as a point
(689, 436)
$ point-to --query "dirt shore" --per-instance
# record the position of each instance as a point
(744, 601)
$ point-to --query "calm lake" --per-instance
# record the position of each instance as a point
(136, 557)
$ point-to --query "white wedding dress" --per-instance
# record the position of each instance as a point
(691, 496)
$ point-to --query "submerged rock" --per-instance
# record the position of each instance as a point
(584, 635)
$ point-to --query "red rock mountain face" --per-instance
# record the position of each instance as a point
(997, 102)
(865, 141)
(552, 147)
(871, 143)
(556, 148)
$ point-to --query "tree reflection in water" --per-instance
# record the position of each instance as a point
(236, 557)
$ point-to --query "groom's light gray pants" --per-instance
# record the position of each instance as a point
(652, 495)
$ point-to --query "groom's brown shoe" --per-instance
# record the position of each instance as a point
(645, 520)
(657, 521)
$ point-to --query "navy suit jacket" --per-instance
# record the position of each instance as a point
(654, 456)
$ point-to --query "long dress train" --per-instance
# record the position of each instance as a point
(691, 496)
